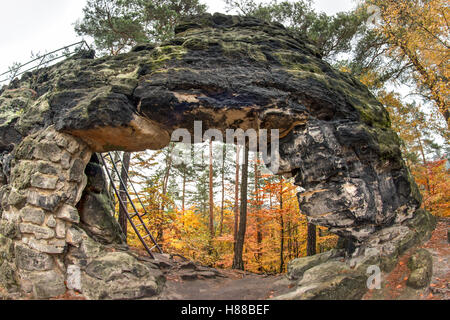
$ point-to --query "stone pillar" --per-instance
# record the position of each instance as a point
(57, 231)
(47, 180)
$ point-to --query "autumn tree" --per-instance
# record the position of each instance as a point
(311, 240)
(211, 190)
(223, 171)
(418, 131)
(258, 207)
(185, 171)
(418, 32)
(236, 193)
(332, 35)
(238, 262)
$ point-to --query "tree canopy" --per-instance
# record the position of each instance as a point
(119, 24)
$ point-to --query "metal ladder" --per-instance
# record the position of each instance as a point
(135, 214)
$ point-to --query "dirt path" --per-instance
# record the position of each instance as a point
(188, 281)
(229, 285)
(440, 249)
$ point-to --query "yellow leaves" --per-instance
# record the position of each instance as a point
(186, 232)
(434, 180)
(345, 69)
(418, 31)
(369, 78)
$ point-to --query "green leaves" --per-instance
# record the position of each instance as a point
(331, 34)
(116, 25)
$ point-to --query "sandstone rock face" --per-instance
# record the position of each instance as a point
(232, 72)
(297, 267)
(96, 209)
(99, 273)
(333, 280)
(44, 250)
(228, 72)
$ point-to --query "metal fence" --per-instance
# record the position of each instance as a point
(43, 61)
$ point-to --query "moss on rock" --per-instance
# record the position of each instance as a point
(421, 266)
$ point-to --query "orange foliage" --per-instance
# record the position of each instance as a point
(186, 232)
(434, 181)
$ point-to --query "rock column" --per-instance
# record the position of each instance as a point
(46, 182)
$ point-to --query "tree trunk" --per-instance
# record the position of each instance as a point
(258, 217)
(123, 220)
(160, 234)
(311, 240)
(115, 158)
(211, 195)
(224, 151)
(236, 195)
(281, 227)
(238, 262)
(184, 191)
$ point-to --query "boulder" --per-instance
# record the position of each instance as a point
(332, 280)
(119, 275)
(228, 72)
(97, 219)
(297, 267)
(421, 265)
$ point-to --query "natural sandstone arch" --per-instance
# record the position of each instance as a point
(228, 72)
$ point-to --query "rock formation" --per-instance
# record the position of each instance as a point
(228, 72)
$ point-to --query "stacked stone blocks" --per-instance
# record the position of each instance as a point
(39, 210)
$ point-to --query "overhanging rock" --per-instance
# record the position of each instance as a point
(228, 72)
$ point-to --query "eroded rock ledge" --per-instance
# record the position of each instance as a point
(227, 71)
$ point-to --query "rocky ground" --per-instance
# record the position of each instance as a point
(396, 287)
(185, 280)
(223, 285)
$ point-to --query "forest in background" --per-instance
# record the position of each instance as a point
(229, 214)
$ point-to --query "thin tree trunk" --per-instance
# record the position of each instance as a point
(236, 195)
(311, 240)
(115, 158)
(183, 206)
(123, 221)
(258, 217)
(224, 151)
(160, 234)
(238, 262)
(211, 195)
(281, 228)
(289, 238)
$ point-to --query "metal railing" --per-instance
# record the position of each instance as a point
(43, 61)
(145, 232)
